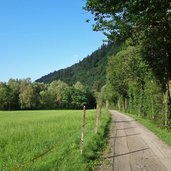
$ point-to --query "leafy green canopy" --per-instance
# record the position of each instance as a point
(131, 86)
(147, 21)
(23, 94)
(120, 19)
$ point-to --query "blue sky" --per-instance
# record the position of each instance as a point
(40, 36)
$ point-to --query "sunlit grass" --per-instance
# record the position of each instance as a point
(48, 140)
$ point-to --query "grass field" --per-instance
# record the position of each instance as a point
(49, 140)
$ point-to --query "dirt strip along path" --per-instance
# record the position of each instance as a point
(134, 147)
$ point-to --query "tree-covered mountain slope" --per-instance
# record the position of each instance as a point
(91, 71)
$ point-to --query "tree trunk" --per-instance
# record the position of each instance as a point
(126, 104)
(169, 89)
(169, 99)
(119, 105)
(123, 104)
(131, 102)
(107, 106)
(152, 107)
(100, 114)
(97, 119)
(142, 99)
(165, 102)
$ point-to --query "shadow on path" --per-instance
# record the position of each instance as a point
(131, 152)
(123, 121)
(124, 136)
(125, 128)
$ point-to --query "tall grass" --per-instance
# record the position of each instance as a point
(49, 140)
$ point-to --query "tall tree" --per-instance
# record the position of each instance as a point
(14, 86)
(146, 21)
(4, 97)
(27, 96)
(56, 89)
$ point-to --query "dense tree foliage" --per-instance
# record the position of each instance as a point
(23, 94)
(148, 24)
(125, 68)
(131, 85)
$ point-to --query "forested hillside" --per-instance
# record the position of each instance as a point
(91, 71)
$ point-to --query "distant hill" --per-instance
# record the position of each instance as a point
(91, 71)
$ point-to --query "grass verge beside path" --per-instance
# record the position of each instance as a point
(162, 133)
(50, 140)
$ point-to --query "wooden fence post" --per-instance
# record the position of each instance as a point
(97, 118)
(107, 107)
(100, 114)
(83, 127)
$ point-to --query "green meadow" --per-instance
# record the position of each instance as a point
(49, 140)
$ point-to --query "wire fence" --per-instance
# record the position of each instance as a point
(84, 132)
